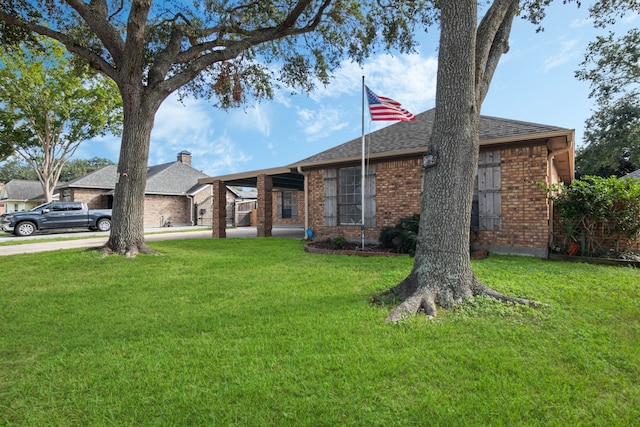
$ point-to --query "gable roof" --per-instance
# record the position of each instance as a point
(102, 178)
(411, 138)
(23, 190)
(175, 178)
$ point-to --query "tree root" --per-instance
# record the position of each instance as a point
(424, 300)
(128, 252)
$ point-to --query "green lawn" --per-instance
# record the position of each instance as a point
(257, 332)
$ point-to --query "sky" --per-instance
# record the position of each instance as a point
(534, 82)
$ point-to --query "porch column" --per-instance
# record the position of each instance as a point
(219, 210)
(265, 215)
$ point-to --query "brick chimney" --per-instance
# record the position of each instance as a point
(184, 157)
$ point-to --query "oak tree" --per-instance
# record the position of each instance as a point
(469, 53)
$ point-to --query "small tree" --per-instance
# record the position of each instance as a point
(50, 105)
(597, 212)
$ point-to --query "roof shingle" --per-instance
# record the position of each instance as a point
(414, 135)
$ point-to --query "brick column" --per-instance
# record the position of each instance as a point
(219, 210)
(265, 215)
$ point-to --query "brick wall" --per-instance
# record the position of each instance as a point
(299, 218)
(525, 210)
(95, 198)
(158, 209)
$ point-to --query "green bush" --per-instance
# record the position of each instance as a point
(593, 209)
(402, 238)
(339, 242)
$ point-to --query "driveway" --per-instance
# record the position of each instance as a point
(47, 242)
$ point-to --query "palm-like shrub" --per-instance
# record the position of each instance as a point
(403, 237)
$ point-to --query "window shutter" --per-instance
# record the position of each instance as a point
(489, 191)
(370, 197)
(294, 204)
(330, 197)
(279, 205)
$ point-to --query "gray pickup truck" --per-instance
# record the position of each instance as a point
(55, 215)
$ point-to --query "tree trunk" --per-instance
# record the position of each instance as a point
(441, 273)
(127, 232)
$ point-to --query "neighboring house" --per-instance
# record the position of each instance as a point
(22, 195)
(510, 213)
(173, 195)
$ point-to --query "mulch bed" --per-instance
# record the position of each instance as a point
(350, 248)
(325, 247)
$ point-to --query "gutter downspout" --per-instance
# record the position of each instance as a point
(306, 201)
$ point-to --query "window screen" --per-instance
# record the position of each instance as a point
(350, 196)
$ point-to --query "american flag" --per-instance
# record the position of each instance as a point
(383, 108)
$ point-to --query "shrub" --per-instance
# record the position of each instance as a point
(592, 209)
(339, 242)
(402, 238)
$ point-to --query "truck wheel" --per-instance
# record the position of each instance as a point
(104, 224)
(24, 229)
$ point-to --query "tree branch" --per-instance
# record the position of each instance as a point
(492, 41)
(95, 59)
(95, 15)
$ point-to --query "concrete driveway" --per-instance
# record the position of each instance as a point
(47, 242)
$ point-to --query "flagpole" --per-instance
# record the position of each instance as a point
(362, 183)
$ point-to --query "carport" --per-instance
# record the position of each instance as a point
(265, 181)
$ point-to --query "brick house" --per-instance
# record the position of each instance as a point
(510, 214)
(172, 194)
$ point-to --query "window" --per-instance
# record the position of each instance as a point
(349, 196)
(287, 207)
(343, 200)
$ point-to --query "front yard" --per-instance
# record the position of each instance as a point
(258, 332)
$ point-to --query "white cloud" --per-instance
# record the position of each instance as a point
(567, 53)
(630, 18)
(106, 147)
(252, 118)
(317, 124)
(581, 22)
(219, 157)
(191, 127)
(409, 79)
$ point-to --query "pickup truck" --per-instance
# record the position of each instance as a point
(55, 215)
